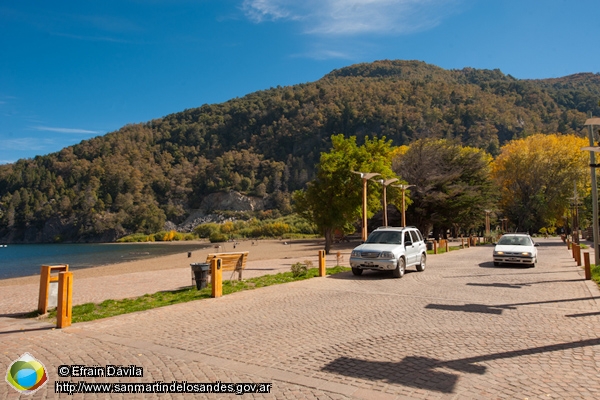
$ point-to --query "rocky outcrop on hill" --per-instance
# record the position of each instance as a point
(231, 201)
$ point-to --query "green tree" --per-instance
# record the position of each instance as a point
(452, 184)
(333, 201)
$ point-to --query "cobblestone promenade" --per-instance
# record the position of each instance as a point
(462, 329)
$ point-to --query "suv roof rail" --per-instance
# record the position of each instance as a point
(395, 227)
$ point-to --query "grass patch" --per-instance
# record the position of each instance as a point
(111, 308)
(442, 250)
(595, 273)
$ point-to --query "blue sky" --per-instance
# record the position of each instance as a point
(72, 70)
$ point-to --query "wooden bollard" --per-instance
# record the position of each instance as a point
(568, 244)
(217, 277)
(578, 255)
(435, 247)
(45, 279)
(587, 267)
(322, 264)
(447, 245)
(64, 305)
(462, 243)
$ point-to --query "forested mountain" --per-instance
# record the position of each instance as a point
(267, 143)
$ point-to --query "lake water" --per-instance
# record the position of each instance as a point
(26, 259)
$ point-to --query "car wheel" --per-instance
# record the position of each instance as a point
(399, 271)
(357, 271)
(496, 264)
(421, 264)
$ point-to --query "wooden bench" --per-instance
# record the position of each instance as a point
(229, 262)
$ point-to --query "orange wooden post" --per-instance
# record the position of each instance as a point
(578, 255)
(568, 244)
(587, 268)
(573, 246)
(45, 279)
(322, 264)
(65, 299)
(435, 247)
(447, 246)
(217, 277)
(462, 243)
(44, 289)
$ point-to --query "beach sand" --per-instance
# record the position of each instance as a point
(257, 250)
(136, 278)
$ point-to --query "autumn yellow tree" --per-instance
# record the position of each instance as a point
(537, 176)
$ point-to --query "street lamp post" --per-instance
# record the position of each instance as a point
(403, 188)
(575, 203)
(504, 223)
(385, 183)
(593, 149)
(365, 177)
(487, 222)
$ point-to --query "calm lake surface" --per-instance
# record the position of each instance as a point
(26, 259)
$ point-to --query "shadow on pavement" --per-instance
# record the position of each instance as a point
(521, 285)
(45, 328)
(500, 285)
(421, 373)
(497, 309)
(590, 314)
(367, 275)
(522, 273)
(490, 264)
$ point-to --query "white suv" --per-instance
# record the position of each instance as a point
(389, 248)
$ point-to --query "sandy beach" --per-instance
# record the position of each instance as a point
(136, 278)
(257, 250)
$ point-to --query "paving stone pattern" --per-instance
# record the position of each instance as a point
(462, 329)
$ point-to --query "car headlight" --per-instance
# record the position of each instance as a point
(386, 254)
(498, 253)
(526, 254)
(355, 253)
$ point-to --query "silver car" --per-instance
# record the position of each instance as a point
(515, 248)
(390, 249)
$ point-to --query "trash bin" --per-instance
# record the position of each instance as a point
(429, 245)
(200, 271)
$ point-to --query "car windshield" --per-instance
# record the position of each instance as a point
(385, 237)
(514, 241)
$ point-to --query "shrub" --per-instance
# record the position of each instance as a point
(216, 237)
(299, 269)
(205, 230)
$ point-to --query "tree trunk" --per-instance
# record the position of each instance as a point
(329, 232)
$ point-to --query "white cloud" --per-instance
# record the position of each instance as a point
(65, 130)
(27, 143)
(352, 17)
(324, 54)
(267, 10)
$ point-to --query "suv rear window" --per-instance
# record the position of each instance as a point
(415, 237)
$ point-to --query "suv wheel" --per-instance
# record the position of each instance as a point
(357, 271)
(399, 271)
(421, 264)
